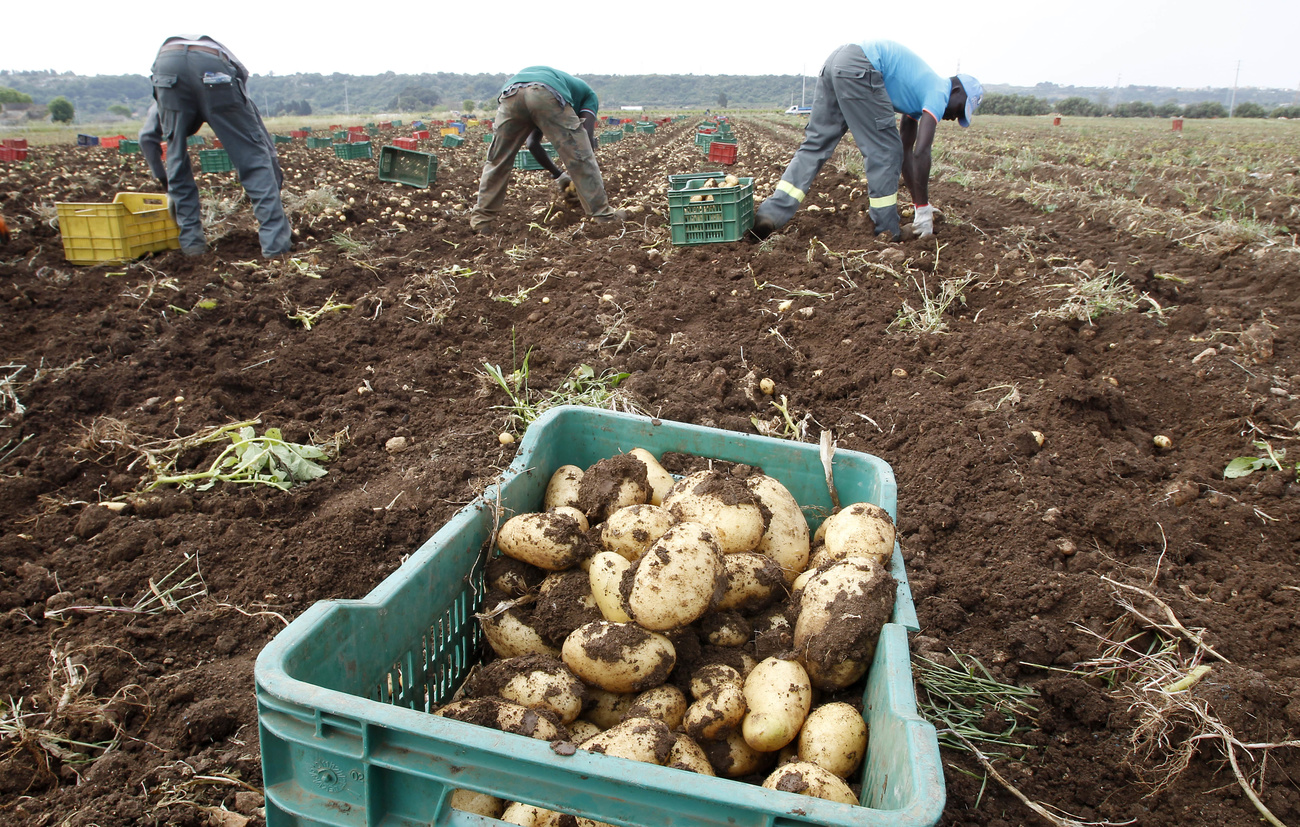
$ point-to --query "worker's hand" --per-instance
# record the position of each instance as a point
(567, 188)
(923, 221)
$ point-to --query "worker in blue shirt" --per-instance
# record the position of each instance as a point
(860, 88)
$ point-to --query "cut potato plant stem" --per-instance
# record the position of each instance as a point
(961, 698)
(582, 387)
(255, 460)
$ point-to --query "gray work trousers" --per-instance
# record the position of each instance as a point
(185, 103)
(850, 95)
(536, 107)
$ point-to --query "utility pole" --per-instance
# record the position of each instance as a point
(804, 72)
(347, 110)
(1233, 101)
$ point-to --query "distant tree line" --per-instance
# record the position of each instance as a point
(1078, 106)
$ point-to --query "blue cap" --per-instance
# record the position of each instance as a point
(974, 97)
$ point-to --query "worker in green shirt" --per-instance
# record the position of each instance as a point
(543, 102)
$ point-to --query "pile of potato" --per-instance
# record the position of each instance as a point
(689, 623)
(714, 183)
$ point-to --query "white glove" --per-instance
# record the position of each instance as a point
(923, 221)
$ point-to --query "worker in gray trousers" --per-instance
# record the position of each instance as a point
(196, 80)
(861, 87)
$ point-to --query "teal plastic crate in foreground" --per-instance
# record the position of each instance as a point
(725, 218)
(344, 691)
(407, 166)
(215, 160)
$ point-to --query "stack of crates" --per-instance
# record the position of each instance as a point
(358, 138)
(353, 150)
(13, 149)
(722, 152)
(134, 223)
(725, 216)
(215, 160)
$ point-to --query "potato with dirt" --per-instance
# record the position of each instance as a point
(858, 530)
(618, 657)
(648, 740)
(611, 484)
(631, 530)
(778, 695)
(809, 779)
(834, 736)
(841, 610)
(553, 540)
(506, 716)
(507, 623)
(721, 503)
(786, 537)
(534, 681)
(676, 581)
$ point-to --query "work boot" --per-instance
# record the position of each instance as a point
(763, 227)
(617, 215)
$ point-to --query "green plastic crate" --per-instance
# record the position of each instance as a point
(525, 160)
(282, 139)
(680, 181)
(725, 218)
(344, 691)
(353, 151)
(196, 140)
(341, 136)
(407, 166)
(318, 143)
(452, 140)
(645, 127)
(629, 128)
(215, 160)
(127, 147)
(487, 137)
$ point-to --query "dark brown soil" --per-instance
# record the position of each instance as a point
(1006, 540)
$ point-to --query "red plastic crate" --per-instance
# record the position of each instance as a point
(216, 143)
(722, 153)
(385, 124)
(297, 133)
(406, 143)
(334, 127)
(10, 154)
(420, 135)
(15, 143)
(357, 137)
(361, 129)
(112, 141)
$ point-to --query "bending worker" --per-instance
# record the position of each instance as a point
(196, 80)
(541, 101)
(860, 88)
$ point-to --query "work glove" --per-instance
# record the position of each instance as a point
(567, 188)
(923, 221)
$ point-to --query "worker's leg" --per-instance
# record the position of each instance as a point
(860, 89)
(179, 115)
(509, 131)
(235, 120)
(825, 128)
(562, 127)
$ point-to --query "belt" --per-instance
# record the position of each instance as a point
(176, 47)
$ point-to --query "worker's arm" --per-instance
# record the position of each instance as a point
(918, 138)
(589, 124)
(151, 144)
(534, 144)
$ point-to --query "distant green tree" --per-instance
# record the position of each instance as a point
(61, 110)
(120, 109)
(1205, 109)
(1135, 109)
(1285, 112)
(1249, 109)
(415, 97)
(467, 106)
(1078, 107)
(8, 95)
(722, 100)
(1169, 109)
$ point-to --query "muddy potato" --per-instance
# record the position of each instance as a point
(773, 632)
(716, 713)
(470, 801)
(786, 537)
(721, 503)
(666, 703)
(563, 487)
(753, 581)
(648, 740)
(660, 480)
(860, 529)
(611, 484)
(506, 716)
(841, 611)
(631, 531)
(512, 577)
(731, 757)
(618, 657)
(708, 678)
(778, 696)
(509, 630)
(534, 681)
(677, 580)
(731, 629)
(688, 755)
(605, 573)
(581, 730)
(564, 602)
(524, 815)
(809, 779)
(551, 540)
(834, 736)
(604, 708)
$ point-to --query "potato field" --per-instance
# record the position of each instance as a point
(1087, 385)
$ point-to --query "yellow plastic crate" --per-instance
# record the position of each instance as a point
(133, 224)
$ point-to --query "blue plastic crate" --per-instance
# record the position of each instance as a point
(344, 692)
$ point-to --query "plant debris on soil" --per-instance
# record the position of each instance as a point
(1058, 379)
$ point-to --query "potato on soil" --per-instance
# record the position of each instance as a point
(666, 703)
(604, 575)
(630, 531)
(564, 602)
(618, 657)
(688, 755)
(715, 713)
(648, 740)
(841, 611)
(534, 681)
(471, 801)
(611, 484)
(659, 478)
(860, 529)
(834, 736)
(809, 779)
(563, 487)
(785, 539)
(677, 580)
(778, 696)
(753, 581)
(553, 540)
(508, 626)
(723, 504)
(506, 716)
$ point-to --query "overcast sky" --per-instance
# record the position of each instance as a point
(1194, 43)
